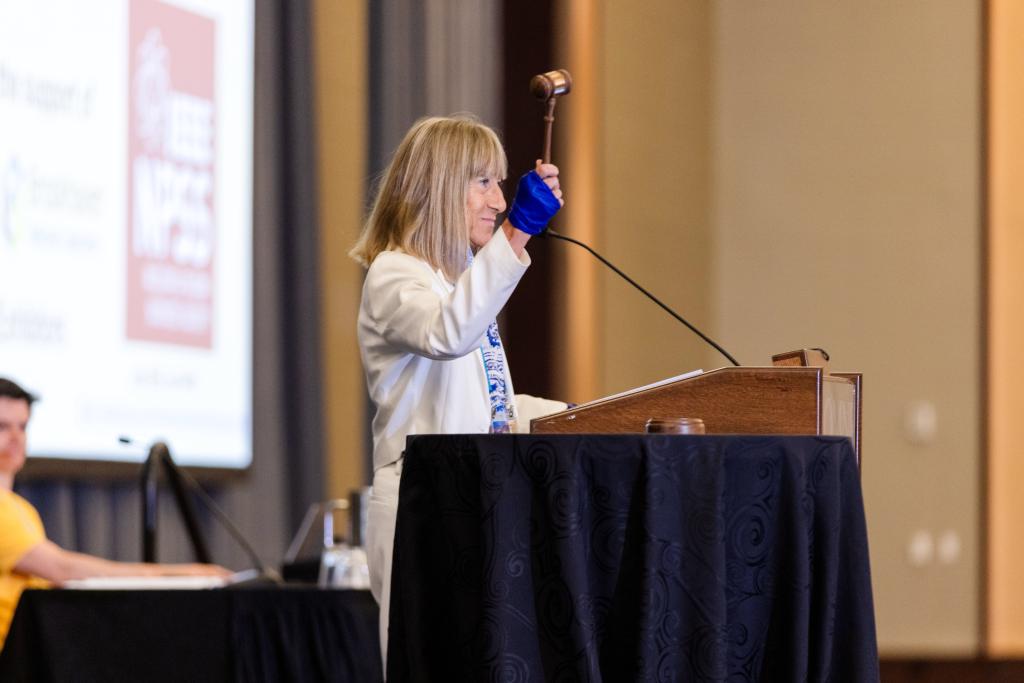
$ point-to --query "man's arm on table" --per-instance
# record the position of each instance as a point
(49, 561)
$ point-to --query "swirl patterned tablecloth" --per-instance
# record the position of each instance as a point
(631, 558)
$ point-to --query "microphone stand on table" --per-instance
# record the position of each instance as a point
(180, 481)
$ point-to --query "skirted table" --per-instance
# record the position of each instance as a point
(631, 558)
(243, 634)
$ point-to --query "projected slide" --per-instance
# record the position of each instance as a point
(126, 225)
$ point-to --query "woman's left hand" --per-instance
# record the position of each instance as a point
(538, 198)
(549, 174)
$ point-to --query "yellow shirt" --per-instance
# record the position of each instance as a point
(20, 531)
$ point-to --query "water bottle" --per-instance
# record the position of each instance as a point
(503, 420)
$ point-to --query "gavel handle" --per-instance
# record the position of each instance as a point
(549, 119)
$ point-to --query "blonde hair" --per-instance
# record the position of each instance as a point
(420, 205)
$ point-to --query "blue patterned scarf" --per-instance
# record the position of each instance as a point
(502, 409)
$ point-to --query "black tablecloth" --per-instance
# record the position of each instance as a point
(274, 634)
(629, 558)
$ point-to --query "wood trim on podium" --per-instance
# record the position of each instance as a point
(742, 400)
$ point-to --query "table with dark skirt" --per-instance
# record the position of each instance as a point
(244, 634)
(631, 558)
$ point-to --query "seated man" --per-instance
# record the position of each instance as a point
(27, 559)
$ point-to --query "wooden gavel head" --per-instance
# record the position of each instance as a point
(551, 84)
(547, 87)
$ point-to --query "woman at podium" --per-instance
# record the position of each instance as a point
(439, 270)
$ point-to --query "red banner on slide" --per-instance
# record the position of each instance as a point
(171, 152)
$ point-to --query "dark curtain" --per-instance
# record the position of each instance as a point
(297, 235)
(528, 330)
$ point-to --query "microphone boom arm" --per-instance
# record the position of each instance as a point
(602, 259)
(181, 483)
(160, 456)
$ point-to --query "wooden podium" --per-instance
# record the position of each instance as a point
(741, 400)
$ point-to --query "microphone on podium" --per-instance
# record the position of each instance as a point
(548, 87)
(551, 233)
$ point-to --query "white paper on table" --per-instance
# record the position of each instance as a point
(135, 583)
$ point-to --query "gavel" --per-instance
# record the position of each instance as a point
(548, 86)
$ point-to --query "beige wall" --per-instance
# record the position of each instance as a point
(340, 55)
(799, 173)
(577, 144)
(847, 215)
(655, 73)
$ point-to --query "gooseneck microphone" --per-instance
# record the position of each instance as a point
(551, 233)
(548, 86)
(159, 451)
(265, 570)
(160, 456)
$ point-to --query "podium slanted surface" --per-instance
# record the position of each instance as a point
(741, 400)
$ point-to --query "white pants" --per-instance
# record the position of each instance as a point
(380, 542)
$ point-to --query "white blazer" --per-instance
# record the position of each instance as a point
(420, 338)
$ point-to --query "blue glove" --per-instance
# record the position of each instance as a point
(535, 204)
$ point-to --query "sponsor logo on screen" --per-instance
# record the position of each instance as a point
(171, 241)
(12, 183)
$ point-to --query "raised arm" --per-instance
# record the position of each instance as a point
(406, 305)
(402, 301)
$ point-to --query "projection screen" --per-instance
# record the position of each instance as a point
(126, 225)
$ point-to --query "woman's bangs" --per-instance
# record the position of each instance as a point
(489, 156)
